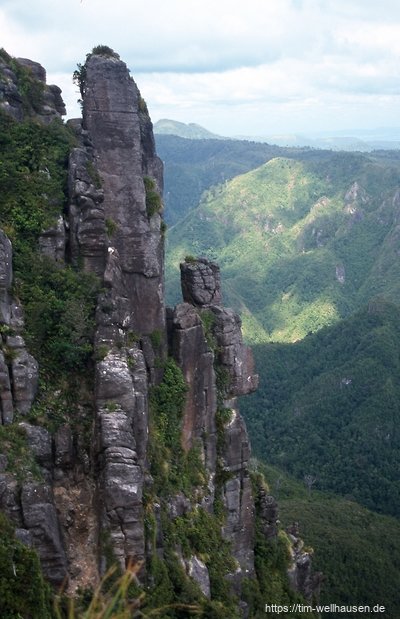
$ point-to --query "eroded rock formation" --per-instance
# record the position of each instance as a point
(45, 103)
(86, 503)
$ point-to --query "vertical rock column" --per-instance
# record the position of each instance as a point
(233, 374)
(116, 231)
(19, 371)
(115, 117)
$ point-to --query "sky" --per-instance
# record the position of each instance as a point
(254, 67)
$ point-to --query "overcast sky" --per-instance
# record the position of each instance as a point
(253, 67)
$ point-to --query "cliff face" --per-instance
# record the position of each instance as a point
(91, 503)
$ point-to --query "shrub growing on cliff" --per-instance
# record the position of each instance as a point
(79, 75)
(23, 592)
(104, 50)
(153, 198)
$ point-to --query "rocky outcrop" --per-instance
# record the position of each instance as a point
(201, 282)
(120, 488)
(52, 242)
(190, 349)
(83, 504)
(237, 494)
(19, 372)
(87, 228)
(125, 158)
(20, 75)
(301, 575)
(115, 228)
(207, 343)
(6, 278)
(268, 510)
(40, 519)
(24, 374)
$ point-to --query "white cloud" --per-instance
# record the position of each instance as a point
(260, 63)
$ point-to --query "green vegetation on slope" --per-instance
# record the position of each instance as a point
(58, 300)
(357, 550)
(23, 592)
(193, 166)
(329, 406)
(301, 242)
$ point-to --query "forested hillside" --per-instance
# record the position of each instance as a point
(302, 242)
(329, 406)
(308, 244)
(357, 550)
(193, 166)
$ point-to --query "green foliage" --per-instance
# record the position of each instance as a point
(153, 198)
(23, 592)
(357, 550)
(192, 166)
(104, 50)
(79, 75)
(4, 55)
(208, 319)
(156, 338)
(199, 533)
(79, 78)
(20, 460)
(143, 106)
(30, 89)
(111, 227)
(272, 559)
(173, 468)
(33, 176)
(59, 306)
(284, 232)
(58, 301)
(163, 228)
(329, 406)
(101, 352)
(94, 175)
(191, 259)
(167, 400)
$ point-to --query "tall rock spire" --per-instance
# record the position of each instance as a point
(130, 174)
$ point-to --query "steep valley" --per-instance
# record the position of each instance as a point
(125, 463)
(308, 248)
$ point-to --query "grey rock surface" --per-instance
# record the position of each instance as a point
(46, 108)
(6, 399)
(197, 570)
(25, 378)
(121, 486)
(233, 355)
(268, 514)
(123, 154)
(6, 277)
(40, 519)
(237, 493)
(52, 242)
(191, 351)
(201, 282)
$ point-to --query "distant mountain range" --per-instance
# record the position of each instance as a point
(191, 131)
(362, 140)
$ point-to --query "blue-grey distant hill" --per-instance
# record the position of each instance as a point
(191, 131)
(362, 140)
